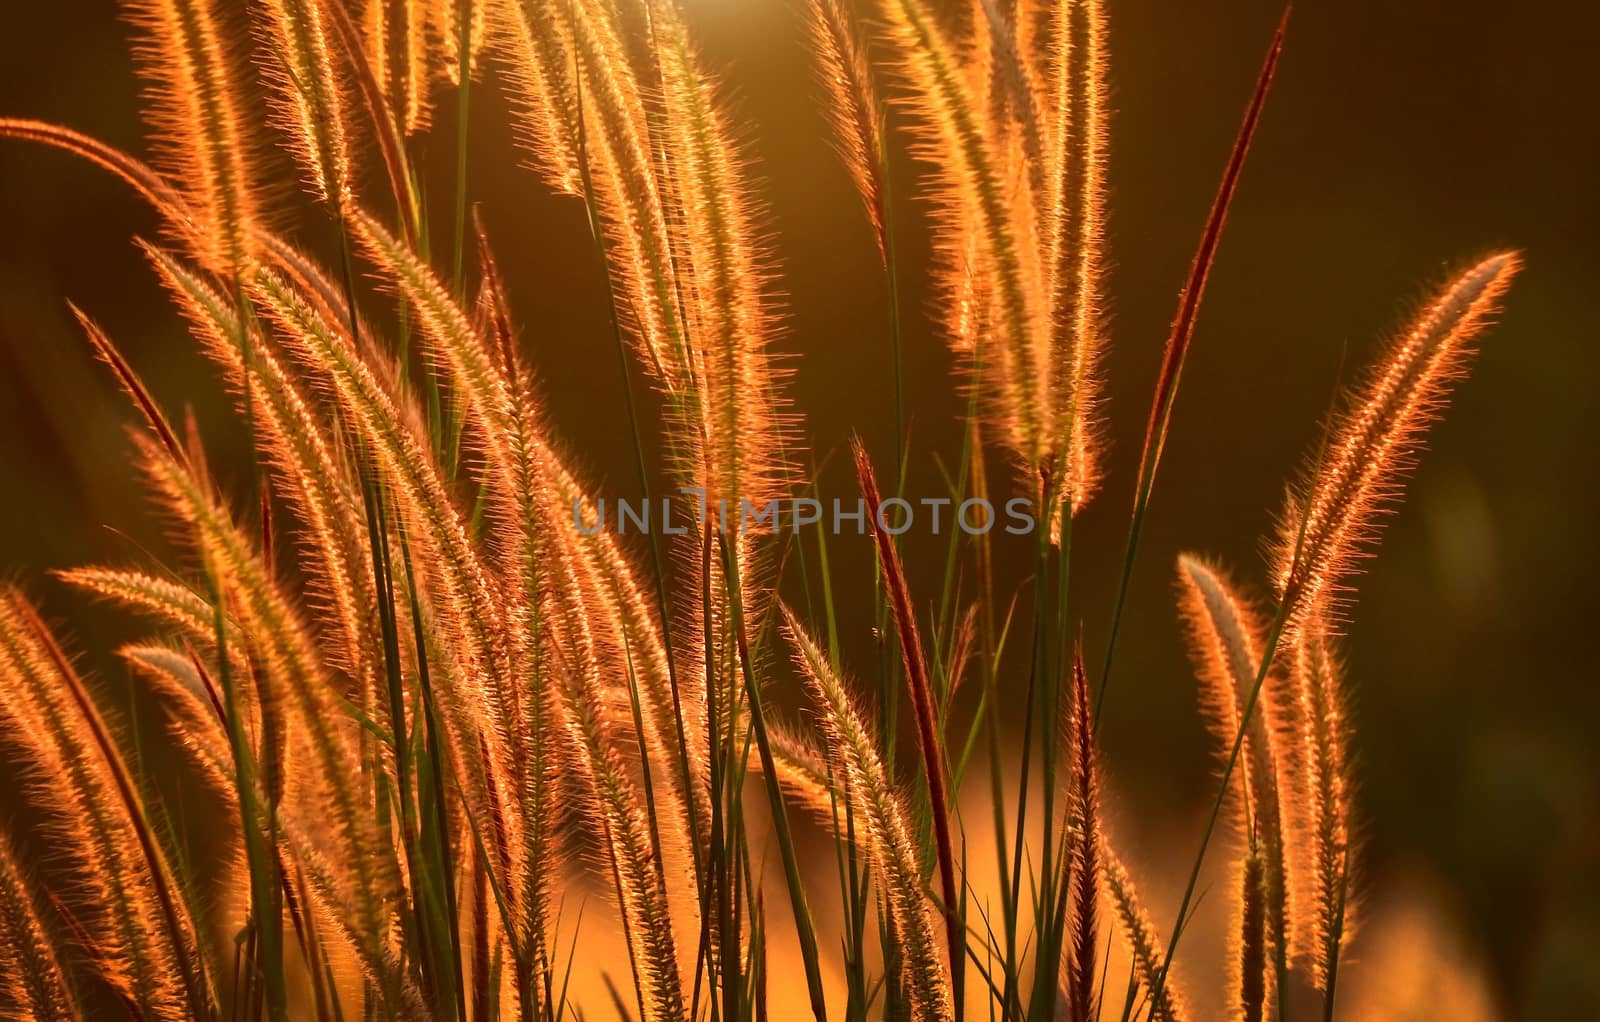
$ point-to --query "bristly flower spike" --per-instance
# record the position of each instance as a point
(1375, 441)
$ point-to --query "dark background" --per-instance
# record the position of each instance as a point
(1401, 140)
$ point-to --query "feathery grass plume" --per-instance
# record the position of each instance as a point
(975, 196)
(131, 383)
(632, 640)
(1376, 439)
(1248, 950)
(196, 718)
(178, 605)
(479, 710)
(299, 690)
(301, 450)
(1075, 229)
(619, 815)
(1014, 97)
(355, 43)
(889, 842)
(309, 95)
(194, 112)
(928, 734)
(533, 45)
(297, 703)
(1086, 848)
(32, 983)
(165, 200)
(137, 936)
(382, 969)
(506, 425)
(537, 490)
(172, 601)
(803, 770)
(739, 441)
(397, 45)
(472, 601)
(853, 106)
(1225, 636)
(1328, 921)
(610, 128)
(150, 185)
(1143, 940)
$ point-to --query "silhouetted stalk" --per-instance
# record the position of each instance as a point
(196, 987)
(1178, 341)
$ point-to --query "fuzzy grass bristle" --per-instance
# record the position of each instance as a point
(187, 53)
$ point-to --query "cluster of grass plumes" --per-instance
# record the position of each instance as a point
(428, 701)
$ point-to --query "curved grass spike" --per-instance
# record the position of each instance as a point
(461, 353)
(367, 874)
(479, 711)
(1328, 916)
(196, 719)
(476, 619)
(535, 50)
(194, 112)
(803, 770)
(385, 128)
(497, 390)
(539, 489)
(337, 579)
(31, 978)
(131, 383)
(1014, 100)
(1074, 226)
(174, 208)
(853, 107)
(198, 722)
(240, 716)
(1182, 333)
(1143, 940)
(884, 818)
(928, 734)
(611, 150)
(309, 95)
(972, 175)
(143, 937)
(634, 645)
(805, 931)
(171, 601)
(301, 450)
(1225, 638)
(150, 185)
(1375, 440)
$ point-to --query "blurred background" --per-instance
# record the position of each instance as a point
(1400, 141)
